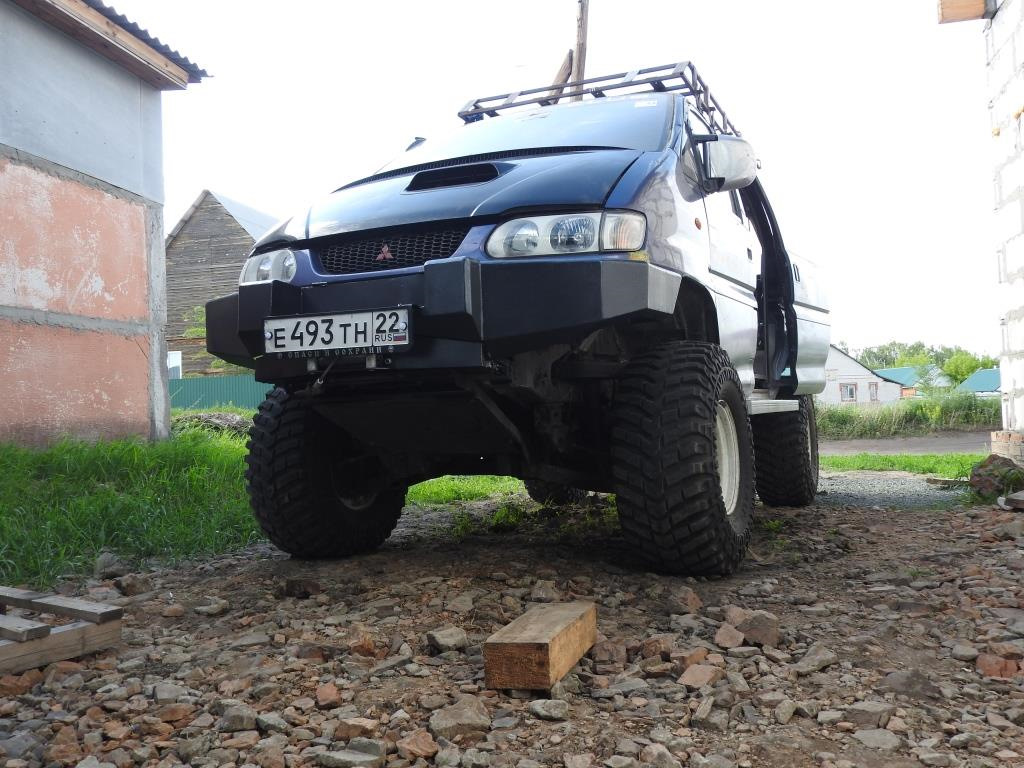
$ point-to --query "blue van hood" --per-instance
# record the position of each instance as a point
(582, 179)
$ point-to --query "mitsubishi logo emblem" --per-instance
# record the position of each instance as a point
(385, 254)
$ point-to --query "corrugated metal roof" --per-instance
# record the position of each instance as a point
(910, 376)
(905, 376)
(256, 223)
(195, 72)
(858, 362)
(983, 380)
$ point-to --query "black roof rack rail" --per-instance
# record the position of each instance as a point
(681, 76)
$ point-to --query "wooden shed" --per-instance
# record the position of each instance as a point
(205, 252)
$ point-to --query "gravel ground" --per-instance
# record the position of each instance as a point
(941, 442)
(889, 490)
(851, 637)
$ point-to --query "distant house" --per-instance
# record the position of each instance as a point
(912, 378)
(983, 383)
(847, 382)
(205, 251)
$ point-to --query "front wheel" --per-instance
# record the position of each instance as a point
(313, 491)
(683, 459)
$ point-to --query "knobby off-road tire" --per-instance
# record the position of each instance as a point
(304, 480)
(681, 444)
(555, 494)
(786, 453)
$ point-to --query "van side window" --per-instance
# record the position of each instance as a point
(737, 206)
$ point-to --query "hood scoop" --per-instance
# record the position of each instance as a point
(456, 176)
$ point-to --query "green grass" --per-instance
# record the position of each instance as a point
(247, 412)
(61, 506)
(913, 416)
(444, 490)
(952, 465)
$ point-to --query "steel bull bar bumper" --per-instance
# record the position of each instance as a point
(463, 311)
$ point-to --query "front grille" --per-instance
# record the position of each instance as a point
(388, 250)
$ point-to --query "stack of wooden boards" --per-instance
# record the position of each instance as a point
(26, 644)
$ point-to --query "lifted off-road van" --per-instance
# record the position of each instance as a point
(584, 288)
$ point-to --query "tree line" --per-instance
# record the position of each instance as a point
(956, 362)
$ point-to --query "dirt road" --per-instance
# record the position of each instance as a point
(873, 635)
(942, 442)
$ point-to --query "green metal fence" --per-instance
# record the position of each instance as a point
(214, 391)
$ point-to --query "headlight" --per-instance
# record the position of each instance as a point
(569, 233)
(275, 265)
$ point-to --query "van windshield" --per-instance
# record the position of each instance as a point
(642, 122)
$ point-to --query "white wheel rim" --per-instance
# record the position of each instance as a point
(727, 456)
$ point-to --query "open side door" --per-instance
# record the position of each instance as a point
(775, 359)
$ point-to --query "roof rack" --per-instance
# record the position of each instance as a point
(681, 76)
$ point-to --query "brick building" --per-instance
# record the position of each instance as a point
(1004, 45)
(82, 303)
(1004, 48)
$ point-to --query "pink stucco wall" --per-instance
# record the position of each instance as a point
(59, 381)
(74, 309)
(70, 248)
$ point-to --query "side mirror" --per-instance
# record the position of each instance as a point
(729, 162)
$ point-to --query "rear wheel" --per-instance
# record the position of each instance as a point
(554, 494)
(313, 491)
(682, 459)
(786, 447)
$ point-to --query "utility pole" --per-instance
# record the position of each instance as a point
(579, 59)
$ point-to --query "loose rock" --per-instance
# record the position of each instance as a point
(549, 709)
(467, 715)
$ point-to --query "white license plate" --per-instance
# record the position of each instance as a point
(351, 333)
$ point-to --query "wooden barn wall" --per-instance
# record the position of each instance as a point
(203, 262)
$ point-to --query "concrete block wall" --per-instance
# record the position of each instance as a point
(81, 350)
(1009, 443)
(1004, 41)
(82, 287)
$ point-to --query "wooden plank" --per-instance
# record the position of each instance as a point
(76, 609)
(67, 642)
(961, 10)
(19, 598)
(94, 30)
(536, 650)
(564, 73)
(14, 628)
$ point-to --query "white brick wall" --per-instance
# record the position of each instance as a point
(1004, 46)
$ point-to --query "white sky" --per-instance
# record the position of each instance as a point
(871, 120)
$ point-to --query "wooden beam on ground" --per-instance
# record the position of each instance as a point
(536, 650)
(67, 642)
(14, 628)
(964, 10)
(94, 30)
(77, 609)
(19, 598)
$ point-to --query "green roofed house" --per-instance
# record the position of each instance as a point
(983, 382)
(910, 378)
